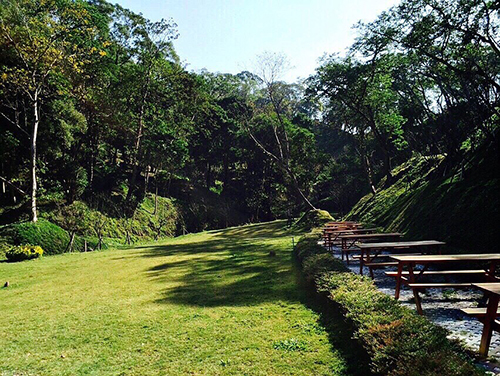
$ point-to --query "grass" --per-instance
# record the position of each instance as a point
(213, 303)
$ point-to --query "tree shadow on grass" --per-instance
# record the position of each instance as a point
(340, 330)
(233, 267)
(222, 272)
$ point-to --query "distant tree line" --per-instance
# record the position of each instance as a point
(95, 101)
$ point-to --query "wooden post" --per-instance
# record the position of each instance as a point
(85, 245)
(491, 313)
(398, 280)
(411, 278)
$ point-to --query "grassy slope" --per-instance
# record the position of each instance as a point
(463, 212)
(212, 303)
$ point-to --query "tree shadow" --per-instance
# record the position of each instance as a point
(233, 267)
(222, 272)
(339, 329)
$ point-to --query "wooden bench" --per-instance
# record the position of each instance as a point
(438, 272)
(410, 276)
(331, 236)
(372, 251)
(349, 240)
(489, 318)
(478, 313)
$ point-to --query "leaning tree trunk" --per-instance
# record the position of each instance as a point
(297, 188)
(34, 216)
(369, 173)
(69, 248)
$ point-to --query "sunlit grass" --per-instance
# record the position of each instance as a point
(213, 303)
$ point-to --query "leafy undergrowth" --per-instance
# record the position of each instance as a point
(461, 210)
(50, 232)
(399, 342)
(312, 219)
(214, 303)
(143, 224)
(52, 238)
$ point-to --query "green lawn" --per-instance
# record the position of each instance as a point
(213, 303)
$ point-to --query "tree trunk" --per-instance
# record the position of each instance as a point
(208, 175)
(299, 191)
(365, 160)
(69, 248)
(146, 183)
(156, 197)
(99, 243)
(34, 216)
(369, 174)
(137, 146)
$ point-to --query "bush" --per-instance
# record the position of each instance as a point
(52, 238)
(312, 219)
(398, 341)
(24, 252)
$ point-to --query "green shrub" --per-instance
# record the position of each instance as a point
(24, 252)
(398, 341)
(312, 219)
(52, 238)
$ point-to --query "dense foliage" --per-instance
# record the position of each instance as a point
(398, 341)
(95, 106)
(52, 238)
(24, 252)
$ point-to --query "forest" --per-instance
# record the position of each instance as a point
(97, 112)
(211, 223)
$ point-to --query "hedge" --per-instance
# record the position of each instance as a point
(52, 238)
(398, 341)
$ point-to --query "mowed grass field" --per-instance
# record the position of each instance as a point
(213, 303)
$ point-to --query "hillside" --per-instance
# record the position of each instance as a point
(461, 209)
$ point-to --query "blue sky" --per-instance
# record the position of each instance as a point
(226, 35)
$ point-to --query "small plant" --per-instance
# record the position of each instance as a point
(24, 252)
(291, 344)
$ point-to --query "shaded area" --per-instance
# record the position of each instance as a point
(229, 268)
(340, 330)
(233, 267)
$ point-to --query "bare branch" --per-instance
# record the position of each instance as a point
(13, 185)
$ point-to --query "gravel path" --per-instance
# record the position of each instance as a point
(442, 306)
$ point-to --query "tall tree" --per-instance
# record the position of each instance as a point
(41, 42)
(270, 69)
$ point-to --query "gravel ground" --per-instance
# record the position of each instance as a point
(442, 306)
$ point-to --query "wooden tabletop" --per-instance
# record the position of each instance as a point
(493, 287)
(334, 230)
(447, 258)
(408, 244)
(364, 236)
(342, 224)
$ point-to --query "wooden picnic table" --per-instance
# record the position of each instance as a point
(332, 235)
(490, 322)
(348, 240)
(371, 251)
(328, 224)
(352, 225)
(409, 277)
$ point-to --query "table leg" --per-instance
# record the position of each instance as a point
(361, 262)
(398, 280)
(411, 278)
(491, 313)
(491, 270)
